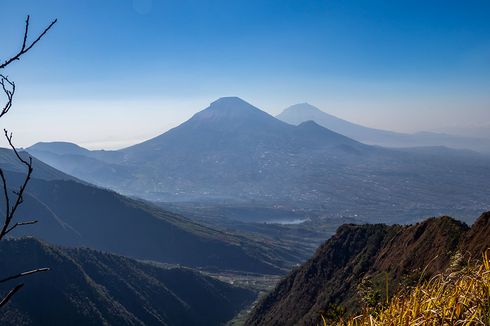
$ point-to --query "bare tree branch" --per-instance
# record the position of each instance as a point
(34, 271)
(9, 90)
(9, 139)
(10, 294)
(26, 47)
(5, 193)
(20, 224)
(10, 210)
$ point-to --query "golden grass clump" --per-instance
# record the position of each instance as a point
(460, 297)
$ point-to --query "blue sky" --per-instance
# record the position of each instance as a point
(114, 72)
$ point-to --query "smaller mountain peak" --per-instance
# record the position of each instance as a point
(58, 147)
(303, 107)
(310, 124)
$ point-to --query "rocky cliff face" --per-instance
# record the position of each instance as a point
(373, 253)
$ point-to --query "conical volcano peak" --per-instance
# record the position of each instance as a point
(233, 110)
(229, 101)
(232, 103)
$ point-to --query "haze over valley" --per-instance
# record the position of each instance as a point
(244, 163)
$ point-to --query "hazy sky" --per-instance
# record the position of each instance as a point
(115, 72)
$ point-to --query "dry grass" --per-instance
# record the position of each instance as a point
(460, 296)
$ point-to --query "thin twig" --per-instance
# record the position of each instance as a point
(20, 224)
(5, 193)
(10, 294)
(34, 271)
(10, 211)
(26, 47)
(9, 90)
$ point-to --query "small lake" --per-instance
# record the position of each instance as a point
(288, 222)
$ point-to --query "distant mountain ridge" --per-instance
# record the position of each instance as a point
(331, 278)
(232, 151)
(86, 287)
(62, 148)
(302, 112)
(476, 131)
(226, 123)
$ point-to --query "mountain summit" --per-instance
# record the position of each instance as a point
(231, 113)
(232, 106)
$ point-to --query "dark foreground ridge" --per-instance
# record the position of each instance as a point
(86, 287)
(356, 252)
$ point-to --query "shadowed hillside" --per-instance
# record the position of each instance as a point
(86, 287)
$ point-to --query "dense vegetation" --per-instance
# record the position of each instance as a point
(460, 296)
(86, 287)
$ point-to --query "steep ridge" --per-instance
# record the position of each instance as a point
(476, 240)
(71, 213)
(367, 252)
(86, 287)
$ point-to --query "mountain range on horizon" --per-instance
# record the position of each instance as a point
(233, 151)
(481, 131)
(467, 137)
(299, 113)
